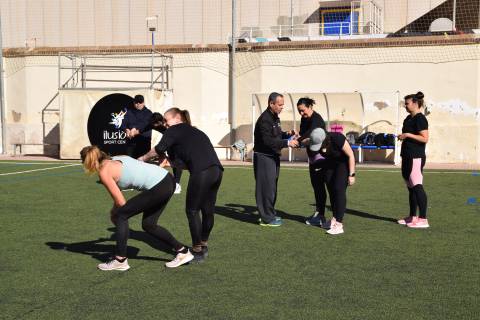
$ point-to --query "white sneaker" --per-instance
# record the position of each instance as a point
(178, 189)
(180, 259)
(335, 227)
(114, 265)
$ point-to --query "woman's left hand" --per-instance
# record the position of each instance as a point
(351, 181)
(403, 136)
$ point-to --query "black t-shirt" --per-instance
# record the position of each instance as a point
(189, 145)
(332, 149)
(308, 124)
(412, 148)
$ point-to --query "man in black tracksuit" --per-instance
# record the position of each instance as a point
(137, 127)
(269, 141)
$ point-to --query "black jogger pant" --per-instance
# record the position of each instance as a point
(266, 170)
(151, 202)
(317, 179)
(336, 179)
(201, 197)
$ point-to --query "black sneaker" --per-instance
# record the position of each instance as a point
(205, 251)
(198, 257)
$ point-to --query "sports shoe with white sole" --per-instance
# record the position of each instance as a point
(335, 227)
(180, 259)
(316, 220)
(418, 223)
(275, 223)
(407, 220)
(114, 265)
(178, 189)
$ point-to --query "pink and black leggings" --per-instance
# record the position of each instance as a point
(412, 172)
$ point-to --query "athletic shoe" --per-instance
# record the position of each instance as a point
(114, 265)
(407, 220)
(276, 219)
(199, 257)
(205, 251)
(326, 224)
(274, 223)
(335, 227)
(180, 259)
(316, 220)
(178, 189)
(418, 223)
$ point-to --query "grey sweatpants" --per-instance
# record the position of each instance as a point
(266, 169)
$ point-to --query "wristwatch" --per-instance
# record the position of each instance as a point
(352, 175)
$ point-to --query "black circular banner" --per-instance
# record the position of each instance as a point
(105, 121)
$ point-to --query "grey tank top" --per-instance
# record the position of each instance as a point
(139, 175)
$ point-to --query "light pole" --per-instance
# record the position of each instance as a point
(152, 26)
(2, 101)
(291, 18)
(232, 85)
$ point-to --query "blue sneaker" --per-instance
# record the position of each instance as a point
(316, 220)
(276, 219)
(274, 223)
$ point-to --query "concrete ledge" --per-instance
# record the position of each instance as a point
(263, 46)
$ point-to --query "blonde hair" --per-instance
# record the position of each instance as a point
(92, 158)
(184, 114)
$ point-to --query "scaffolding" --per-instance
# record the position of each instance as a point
(152, 71)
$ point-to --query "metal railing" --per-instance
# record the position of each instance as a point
(310, 31)
(154, 71)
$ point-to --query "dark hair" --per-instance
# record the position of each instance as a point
(138, 99)
(273, 97)
(184, 114)
(156, 117)
(417, 97)
(306, 101)
(156, 122)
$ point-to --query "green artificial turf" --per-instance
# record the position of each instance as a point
(55, 229)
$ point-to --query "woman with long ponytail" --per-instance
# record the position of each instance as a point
(193, 148)
(156, 186)
(414, 138)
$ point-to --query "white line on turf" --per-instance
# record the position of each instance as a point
(34, 170)
(45, 163)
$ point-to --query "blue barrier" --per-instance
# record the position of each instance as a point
(356, 147)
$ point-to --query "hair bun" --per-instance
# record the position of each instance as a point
(419, 95)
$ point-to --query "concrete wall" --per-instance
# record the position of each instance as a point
(448, 75)
(76, 23)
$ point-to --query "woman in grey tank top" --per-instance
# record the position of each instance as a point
(156, 186)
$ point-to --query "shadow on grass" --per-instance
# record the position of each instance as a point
(249, 214)
(367, 215)
(102, 252)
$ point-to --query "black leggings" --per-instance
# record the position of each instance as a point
(201, 196)
(412, 173)
(151, 202)
(317, 178)
(336, 179)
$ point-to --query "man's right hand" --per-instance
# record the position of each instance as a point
(293, 143)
